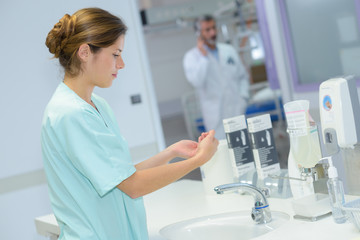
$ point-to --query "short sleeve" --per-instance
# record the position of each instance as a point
(99, 154)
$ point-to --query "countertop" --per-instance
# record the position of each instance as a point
(186, 199)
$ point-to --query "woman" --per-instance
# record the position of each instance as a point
(95, 190)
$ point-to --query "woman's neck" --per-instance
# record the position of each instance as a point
(80, 86)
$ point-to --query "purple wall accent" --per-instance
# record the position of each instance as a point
(269, 53)
(357, 10)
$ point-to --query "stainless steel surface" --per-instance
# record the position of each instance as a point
(260, 212)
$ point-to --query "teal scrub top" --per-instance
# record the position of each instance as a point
(85, 158)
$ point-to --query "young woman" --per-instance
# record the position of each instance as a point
(95, 189)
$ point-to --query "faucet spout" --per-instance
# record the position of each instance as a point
(257, 193)
(261, 211)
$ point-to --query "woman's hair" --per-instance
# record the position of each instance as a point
(93, 26)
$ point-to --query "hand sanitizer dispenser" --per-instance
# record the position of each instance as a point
(340, 114)
(339, 108)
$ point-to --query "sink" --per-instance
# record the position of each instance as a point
(229, 226)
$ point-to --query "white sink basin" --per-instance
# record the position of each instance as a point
(227, 226)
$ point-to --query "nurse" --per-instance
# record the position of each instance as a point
(218, 75)
(95, 189)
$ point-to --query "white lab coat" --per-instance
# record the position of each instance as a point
(222, 86)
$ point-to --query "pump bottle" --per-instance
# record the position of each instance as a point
(336, 193)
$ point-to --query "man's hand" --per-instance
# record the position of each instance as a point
(200, 45)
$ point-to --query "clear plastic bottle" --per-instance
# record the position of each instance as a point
(336, 194)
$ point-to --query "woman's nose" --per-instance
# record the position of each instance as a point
(120, 63)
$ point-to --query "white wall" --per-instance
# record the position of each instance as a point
(166, 50)
(28, 77)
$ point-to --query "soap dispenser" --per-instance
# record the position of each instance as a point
(336, 193)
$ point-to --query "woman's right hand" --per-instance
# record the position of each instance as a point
(207, 146)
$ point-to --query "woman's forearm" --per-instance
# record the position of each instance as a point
(159, 159)
(147, 180)
(183, 149)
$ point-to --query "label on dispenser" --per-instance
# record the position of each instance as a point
(237, 137)
(297, 122)
(263, 144)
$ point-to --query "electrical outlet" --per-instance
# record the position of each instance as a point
(135, 99)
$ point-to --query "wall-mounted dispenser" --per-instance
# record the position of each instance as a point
(340, 115)
(339, 110)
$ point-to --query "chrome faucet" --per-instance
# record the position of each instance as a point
(260, 212)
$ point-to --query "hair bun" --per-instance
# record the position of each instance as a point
(58, 37)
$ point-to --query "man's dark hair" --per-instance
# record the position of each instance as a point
(204, 18)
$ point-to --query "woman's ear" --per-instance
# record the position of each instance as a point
(84, 52)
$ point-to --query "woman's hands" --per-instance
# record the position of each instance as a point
(203, 135)
(184, 148)
(187, 148)
(207, 146)
(155, 173)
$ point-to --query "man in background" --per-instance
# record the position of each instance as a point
(218, 75)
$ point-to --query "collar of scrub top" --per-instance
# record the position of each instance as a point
(214, 52)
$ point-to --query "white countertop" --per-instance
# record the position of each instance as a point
(186, 199)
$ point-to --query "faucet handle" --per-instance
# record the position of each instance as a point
(260, 213)
(266, 191)
(256, 215)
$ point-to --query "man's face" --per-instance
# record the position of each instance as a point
(208, 32)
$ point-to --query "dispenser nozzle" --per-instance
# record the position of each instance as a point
(332, 171)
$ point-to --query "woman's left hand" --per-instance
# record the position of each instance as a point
(184, 148)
